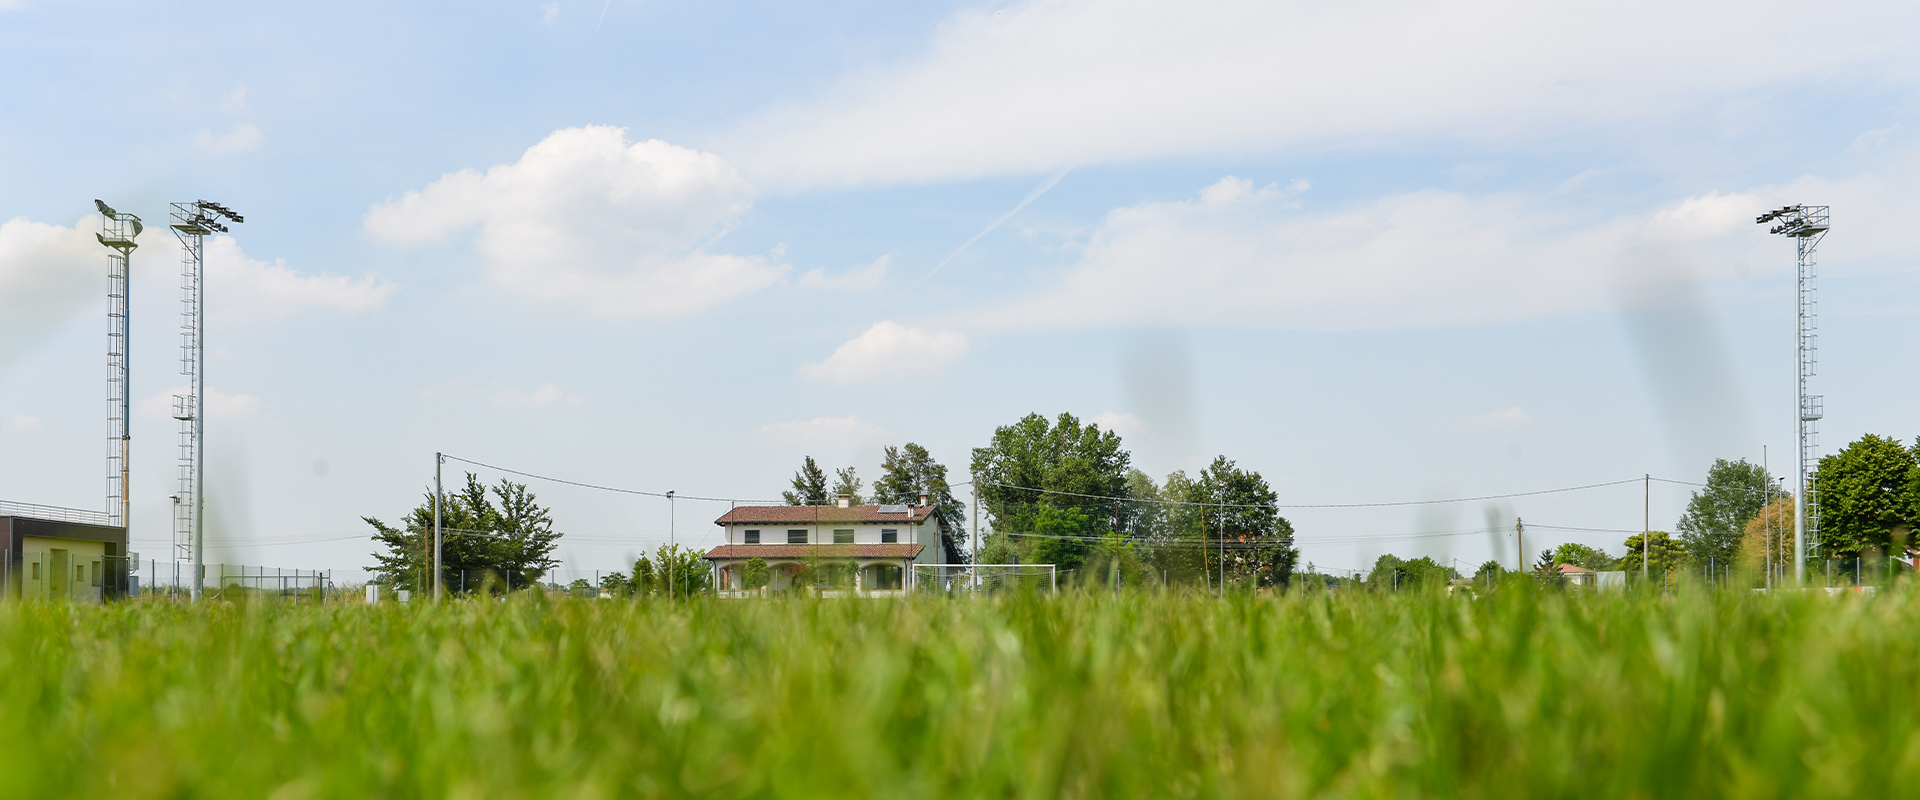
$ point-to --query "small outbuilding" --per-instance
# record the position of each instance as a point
(58, 559)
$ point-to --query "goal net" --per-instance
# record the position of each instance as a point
(984, 579)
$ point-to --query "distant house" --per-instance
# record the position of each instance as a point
(1577, 576)
(867, 549)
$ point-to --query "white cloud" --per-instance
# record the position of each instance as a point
(240, 138)
(821, 431)
(22, 422)
(888, 348)
(1035, 86)
(585, 217)
(1241, 258)
(863, 279)
(1504, 418)
(48, 273)
(235, 102)
(243, 289)
(547, 396)
(549, 13)
(220, 405)
(1125, 424)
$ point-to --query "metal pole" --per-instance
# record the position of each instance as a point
(1646, 525)
(200, 428)
(672, 543)
(438, 460)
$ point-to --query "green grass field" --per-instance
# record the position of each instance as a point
(1101, 696)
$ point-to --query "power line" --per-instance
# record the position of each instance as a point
(582, 485)
(1309, 505)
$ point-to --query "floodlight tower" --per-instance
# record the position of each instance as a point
(117, 232)
(192, 222)
(1807, 225)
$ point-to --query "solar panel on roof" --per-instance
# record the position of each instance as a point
(894, 509)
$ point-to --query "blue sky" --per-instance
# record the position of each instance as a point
(1379, 252)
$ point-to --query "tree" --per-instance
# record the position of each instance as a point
(1391, 573)
(1489, 573)
(909, 471)
(1717, 515)
(1061, 538)
(755, 574)
(1545, 564)
(645, 580)
(847, 484)
(809, 486)
(1581, 555)
(1237, 509)
(511, 541)
(1865, 497)
(1769, 535)
(615, 584)
(1663, 552)
(1035, 463)
(680, 572)
(998, 549)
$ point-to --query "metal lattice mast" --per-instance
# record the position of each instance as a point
(192, 223)
(1807, 225)
(117, 232)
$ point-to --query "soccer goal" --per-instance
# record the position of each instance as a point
(984, 579)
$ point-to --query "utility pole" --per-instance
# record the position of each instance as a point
(1520, 540)
(673, 546)
(438, 460)
(1646, 525)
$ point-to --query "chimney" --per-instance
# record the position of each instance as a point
(846, 500)
(923, 498)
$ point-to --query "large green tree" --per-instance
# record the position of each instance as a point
(1036, 463)
(1716, 516)
(1662, 553)
(1866, 497)
(809, 486)
(500, 535)
(909, 471)
(1581, 555)
(1223, 515)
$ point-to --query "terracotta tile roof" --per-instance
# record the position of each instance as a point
(794, 515)
(818, 550)
(1570, 569)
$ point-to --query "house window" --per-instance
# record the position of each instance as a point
(885, 577)
(80, 573)
(753, 537)
(36, 570)
(843, 536)
(96, 573)
(889, 535)
(796, 537)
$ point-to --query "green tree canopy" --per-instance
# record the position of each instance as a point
(1663, 553)
(502, 533)
(1866, 497)
(1392, 573)
(1581, 555)
(809, 486)
(907, 472)
(1716, 517)
(1035, 463)
(847, 483)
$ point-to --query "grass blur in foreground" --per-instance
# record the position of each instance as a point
(1086, 695)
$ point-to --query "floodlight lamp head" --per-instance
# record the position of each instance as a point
(105, 210)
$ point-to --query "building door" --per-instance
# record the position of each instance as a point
(59, 573)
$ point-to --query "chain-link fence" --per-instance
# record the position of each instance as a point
(173, 580)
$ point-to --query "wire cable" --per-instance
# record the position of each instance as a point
(1313, 505)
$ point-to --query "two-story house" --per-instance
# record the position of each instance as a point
(866, 549)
